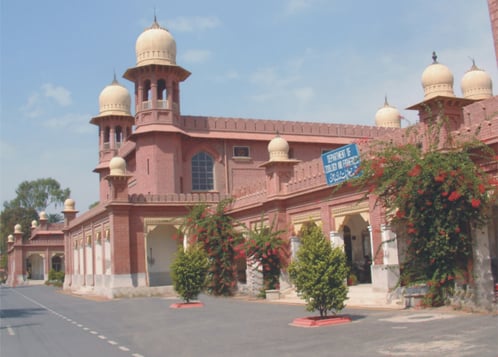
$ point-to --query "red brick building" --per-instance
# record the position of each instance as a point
(156, 164)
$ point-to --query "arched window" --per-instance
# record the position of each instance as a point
(202, 172)
(146, 95)
(119, 135)
(161, 89)
(56, 263)
(107, 136)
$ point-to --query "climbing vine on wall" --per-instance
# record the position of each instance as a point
(265, 245)
(434, 196)
(216, 232)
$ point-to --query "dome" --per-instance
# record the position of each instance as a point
(10, 238)
(17, 228)
(43, 216)
(117, 165)
(34, 224)
(155, 46)
(437, 80)
(476, 84)
(278, 148)
(69, 204)
(114, 100)
(388, 116)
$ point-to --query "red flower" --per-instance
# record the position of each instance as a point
(400, 214)
(411, 231)
(457, 230)
(420, 191)
(440, 178)
(444, 194)
(415, 171)
(454, 196)
(482, 189)
(475, 203)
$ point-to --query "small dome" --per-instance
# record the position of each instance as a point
(278, 148)
(155, 46)
(114, 100)
(43, 216)
(34, 224)
(17, 228)
(437, 80)
(117, 165)
(476, 84)
(10, 238)
(388, 116)
(69, 204)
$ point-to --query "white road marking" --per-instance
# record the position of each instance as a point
(10, 330)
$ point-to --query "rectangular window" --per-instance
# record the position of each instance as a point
(241, 151)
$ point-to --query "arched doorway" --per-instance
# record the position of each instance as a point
(161, 247)
(357, 246)
(34, 267)
(57, 263)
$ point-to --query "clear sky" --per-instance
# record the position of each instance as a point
(302, 60)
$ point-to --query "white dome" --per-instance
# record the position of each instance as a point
(117, 165)
(155, 46)
(278, 148)
(388, 116)
(43, 216)
(10, 238)
(114, 100)
(34, 224)
(17, 228)
(476, 84)
(437, 80)
(69, 204)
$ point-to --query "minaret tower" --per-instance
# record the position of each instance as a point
(156, 77)
(157, 131)
(115, 124)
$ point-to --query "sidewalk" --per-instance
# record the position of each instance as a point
(361, 295)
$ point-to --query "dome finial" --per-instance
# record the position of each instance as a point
(474, 67)
(434, 57)
(386, 104)
(155, 24)
(114, 80)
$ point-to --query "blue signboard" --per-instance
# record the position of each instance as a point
(341, 164)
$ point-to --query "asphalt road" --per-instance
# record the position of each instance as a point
(42, 321)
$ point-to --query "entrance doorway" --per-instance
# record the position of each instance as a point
(34, 267)
(161, 247)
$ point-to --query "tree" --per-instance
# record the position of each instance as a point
(40, 194)
(189, 271)
(265, 245)
(217, 233)
(319, 272)
(32, 198)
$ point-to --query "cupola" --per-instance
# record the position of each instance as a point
(388, 116)
(155, 46)
(278, 148)
(114, 100)
(117, 166)
(437, 80)
(476, 83)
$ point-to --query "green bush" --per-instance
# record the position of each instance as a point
(319, 272)
(189, 271)
(55, 278)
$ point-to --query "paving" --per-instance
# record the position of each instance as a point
(359, 296)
